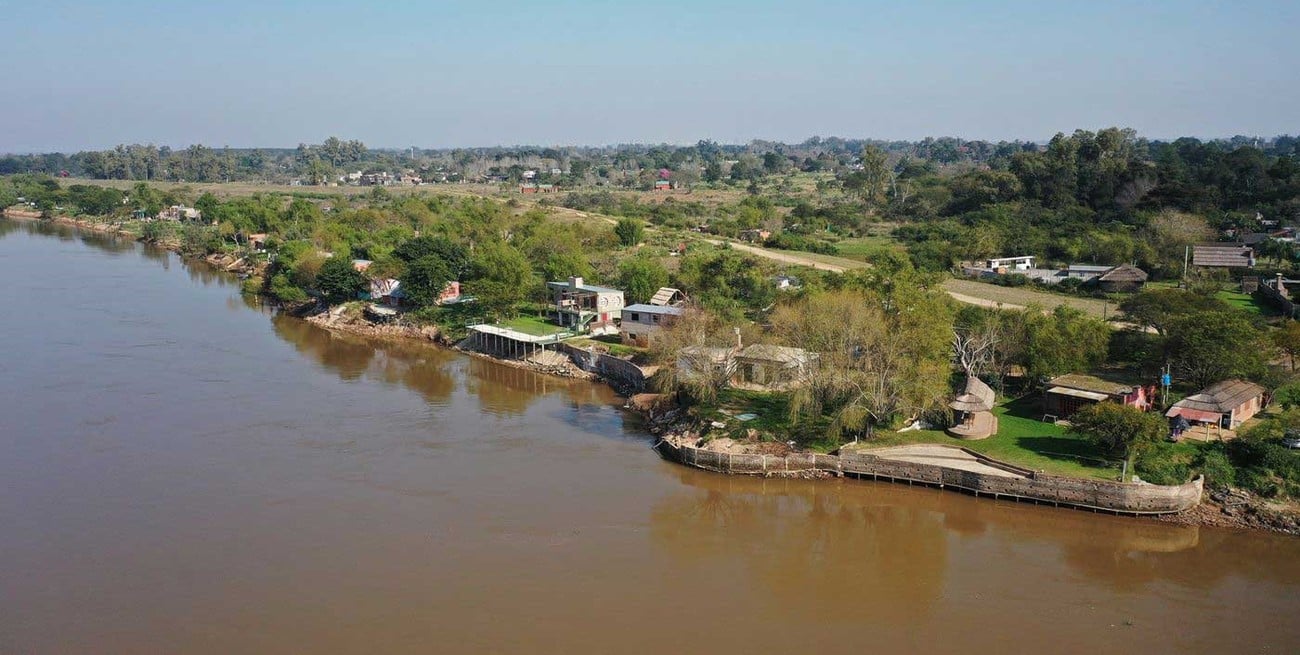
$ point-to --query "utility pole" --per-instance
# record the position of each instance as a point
(1186, 251)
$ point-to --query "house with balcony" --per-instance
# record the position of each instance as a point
(583, 307)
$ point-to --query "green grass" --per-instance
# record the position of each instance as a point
(538, 327)
(1247, 303)
(866, 248)
(1023, 440)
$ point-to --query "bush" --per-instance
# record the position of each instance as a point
(283, 289)
(629, 231)
(252, 286)
(1162, 463)
(1217, 468)
(1012, 280)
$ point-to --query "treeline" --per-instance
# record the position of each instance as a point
(502, 255)
(1106, 197)
(638, 166)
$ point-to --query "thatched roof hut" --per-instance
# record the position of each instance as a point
(977, 397)
(1124, 277)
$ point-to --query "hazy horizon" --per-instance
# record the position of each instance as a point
(85, 75)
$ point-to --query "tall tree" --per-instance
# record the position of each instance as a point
(1207, 347)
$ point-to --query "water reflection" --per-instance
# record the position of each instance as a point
(814, 550)
(509, 390)
(812, 542)
(419, 367)
(108, 243)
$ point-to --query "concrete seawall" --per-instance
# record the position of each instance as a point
(623, 374)
(1025, 485)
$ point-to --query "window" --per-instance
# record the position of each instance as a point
(656, 318)
(636, 317)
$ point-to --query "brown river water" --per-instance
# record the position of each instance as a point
(184, 471)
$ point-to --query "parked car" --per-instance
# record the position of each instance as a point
(1291, 439)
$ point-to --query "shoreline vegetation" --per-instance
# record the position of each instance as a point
(812, 285)
(1220, 508)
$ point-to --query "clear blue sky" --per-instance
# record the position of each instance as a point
(93, 73)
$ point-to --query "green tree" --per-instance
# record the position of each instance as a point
(560, 265)
(338, 281)
(502, 278)
(641, 277)
(1288, 395)
(629, 231)
(883, 355)
(425, 279)
(1160, 308)
(1064, 341)
(1118, 429)
(1287, 340)
(453, 255)
(1211, 346)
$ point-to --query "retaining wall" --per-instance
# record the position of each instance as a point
(623, 373)
(1118, 497)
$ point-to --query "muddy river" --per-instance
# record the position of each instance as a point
(184, 471)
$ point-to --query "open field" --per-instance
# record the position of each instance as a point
(992, 295)
(863, 248)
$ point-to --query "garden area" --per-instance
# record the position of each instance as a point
(1023, 440)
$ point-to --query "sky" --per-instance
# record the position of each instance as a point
(88, 74)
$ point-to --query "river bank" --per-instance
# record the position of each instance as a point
(1224, 510)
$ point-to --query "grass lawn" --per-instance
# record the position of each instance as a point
(1248, 303)
(533, 325)
(1023, 440)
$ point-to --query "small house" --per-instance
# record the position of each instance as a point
(668, 297)
(1223, 256)
(755, 236)
(1068, 394)
(1124, 278)
(180, 213)
(1086, 272)
(1226, 404)
(586, 307)
(663, 185)
(257, 242)
(766, 367)
(703, 362)
(387, 291)
(642, 323)
(450, 294)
